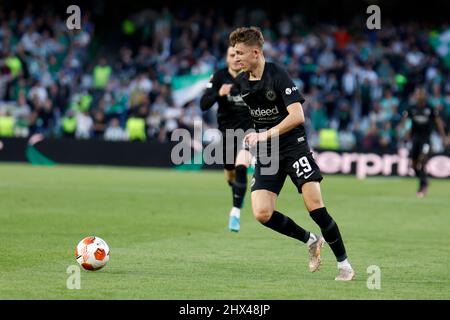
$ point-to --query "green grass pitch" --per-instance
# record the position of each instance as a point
(168, 235)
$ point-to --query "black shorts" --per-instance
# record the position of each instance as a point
(231, 145)
(420, 147)
(295, 161)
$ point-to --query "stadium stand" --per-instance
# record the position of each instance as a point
(70, 84)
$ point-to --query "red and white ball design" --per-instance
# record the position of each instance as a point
(92, 253)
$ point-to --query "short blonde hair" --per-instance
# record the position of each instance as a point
(250, 36)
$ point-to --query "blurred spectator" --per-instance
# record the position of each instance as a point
(365, 96)
(114, 132)
(99, 124)
(21, 113)
(6, 124)
(69, 124)
(318, 116)
(170, 118)
(371, 140)
(84, 125)
(102, 73)
(344, 115)
(386, 138)
(42, 117)
(136, 128)
(328, 139)
(389, 105)
(191, 116)
(356, 84)
(347, 140)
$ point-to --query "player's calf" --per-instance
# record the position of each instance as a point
(332, 235)
(286, 226)
(239, 186)
(419, 169)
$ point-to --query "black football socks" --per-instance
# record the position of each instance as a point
(421, 174)
(330, 232)
(285, 225)
(239, 186)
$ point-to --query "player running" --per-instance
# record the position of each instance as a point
(232, 114)
(423, 118)
(276, 110)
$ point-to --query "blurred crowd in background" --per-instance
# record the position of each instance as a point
(356, 82)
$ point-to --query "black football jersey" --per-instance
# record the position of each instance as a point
(233, 112)
(423, 119)
(269, 98)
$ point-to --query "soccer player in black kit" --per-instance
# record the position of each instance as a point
(233, 114)
(423, 118)
(276, 110)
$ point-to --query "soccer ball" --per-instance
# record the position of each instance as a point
(92, 253)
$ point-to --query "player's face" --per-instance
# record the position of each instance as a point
(420, 96)
(246, 56)
(232, 60)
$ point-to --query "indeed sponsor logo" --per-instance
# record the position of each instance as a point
(264, 112)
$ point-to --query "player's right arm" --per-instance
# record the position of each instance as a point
(403, 124)
(214, 90)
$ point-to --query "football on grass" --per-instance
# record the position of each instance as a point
(92, 253)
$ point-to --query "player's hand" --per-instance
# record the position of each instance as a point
(446, 142)
(225, 89)
(253, 138)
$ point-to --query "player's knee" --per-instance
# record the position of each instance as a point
(244, 158)
(314, 204)
(262, 213)
(230, 176)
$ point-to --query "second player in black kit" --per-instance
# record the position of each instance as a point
(275, 107)
(232, 112)
(424, 118)
(232, 115)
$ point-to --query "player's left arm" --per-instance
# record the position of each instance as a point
(441, 129)
(293, 120)
(211, 93)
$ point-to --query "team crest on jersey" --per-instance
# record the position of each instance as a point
(271, 95)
